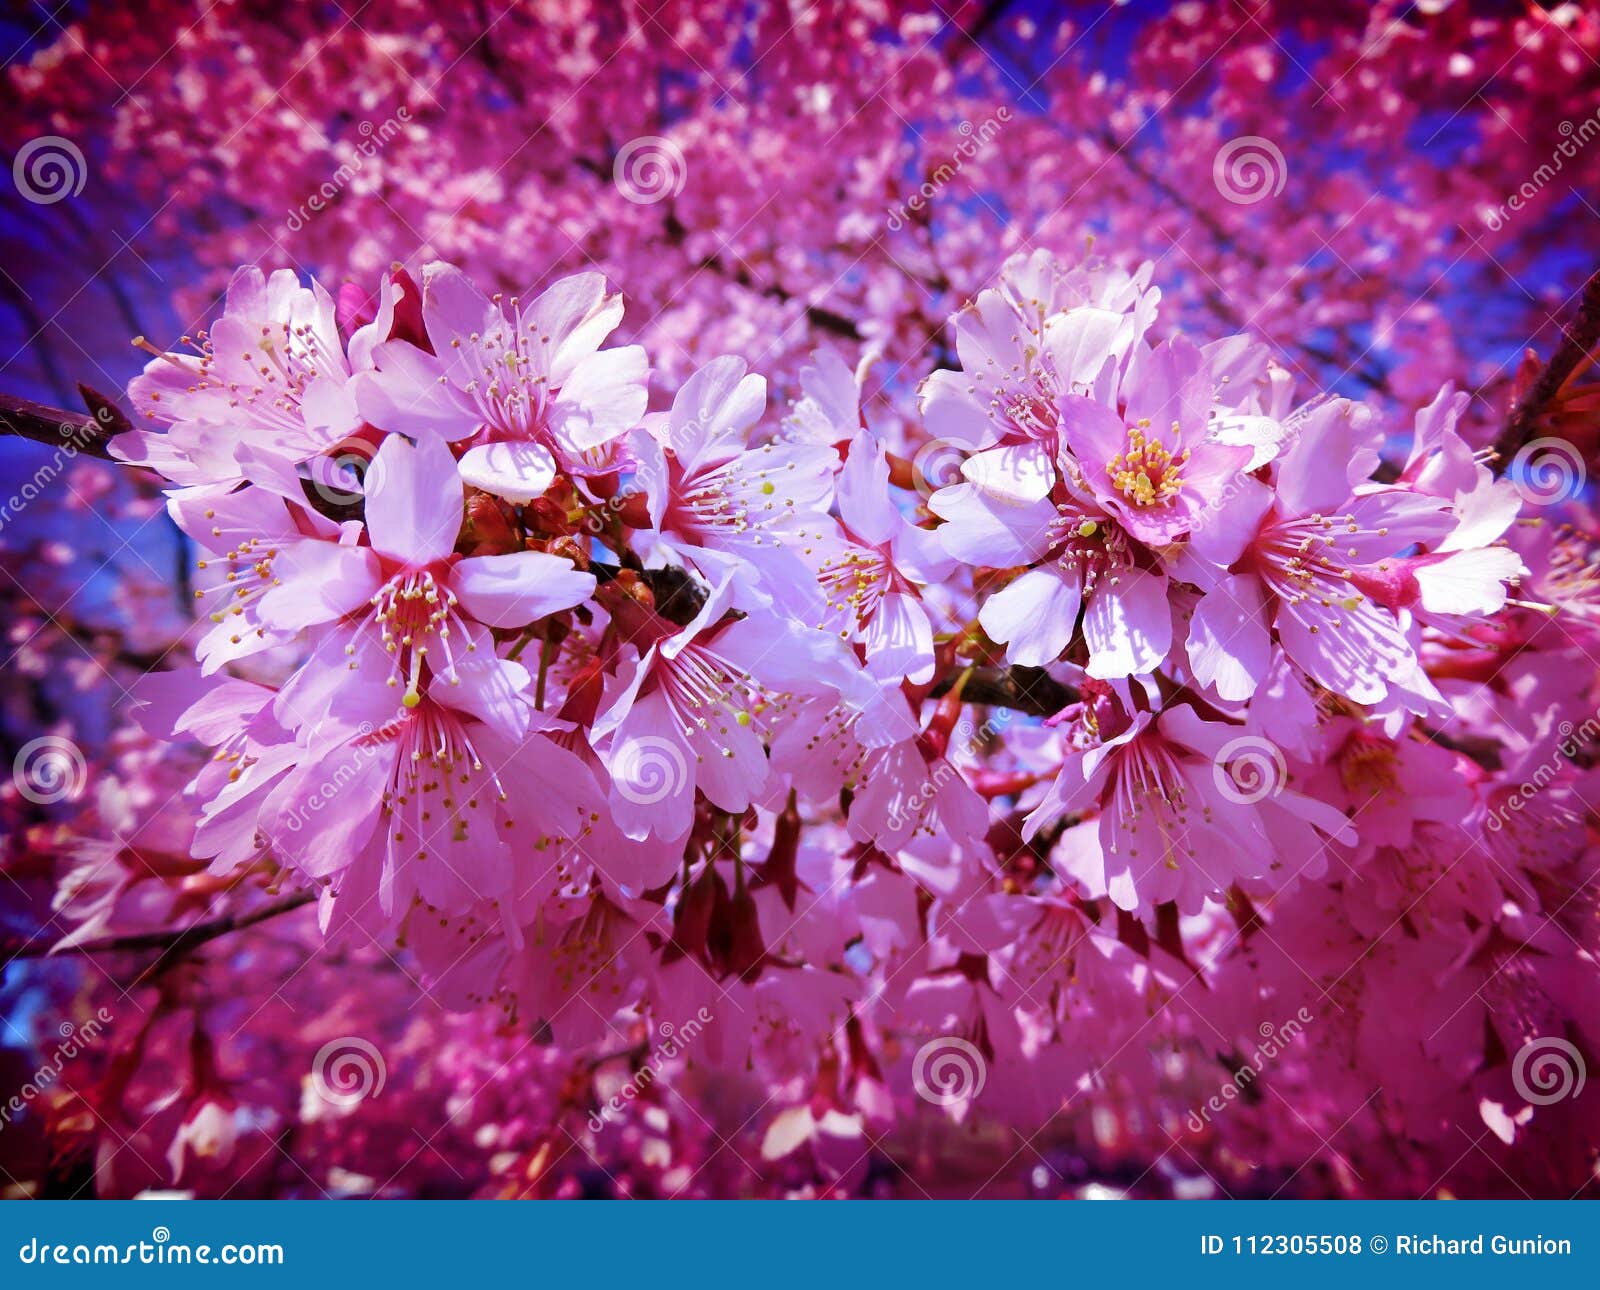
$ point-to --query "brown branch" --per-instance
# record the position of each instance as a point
(56, 427)
(172, 942)
(1577, 342)
(1029, 690)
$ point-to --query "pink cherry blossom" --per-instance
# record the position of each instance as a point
(817, 601)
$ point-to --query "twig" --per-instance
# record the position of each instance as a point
(1029, 690)
(57, 427)
(172, 942)
(1577, 341)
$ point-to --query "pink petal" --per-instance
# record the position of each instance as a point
(518, 472)
(1128, 625)
(1229, 645)
(414, 501)
(513, 590)
(317, 583)
(1034, 616)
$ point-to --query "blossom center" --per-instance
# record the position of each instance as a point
(1369, 766)
(854, 583)
(413, 610)
(1145, 471)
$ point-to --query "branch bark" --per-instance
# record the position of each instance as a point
(171, 942)
(58, 428)
(1577, 342)
(1029, 690)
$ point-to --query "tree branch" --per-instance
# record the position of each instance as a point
(56, 427)
(1029, 690)
(1577, 341)
(172, 943)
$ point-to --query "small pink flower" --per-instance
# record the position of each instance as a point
(529, 384)
(406, 611)
(1154, 465)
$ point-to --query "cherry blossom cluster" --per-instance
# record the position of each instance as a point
(911, 703)
(1104, 713)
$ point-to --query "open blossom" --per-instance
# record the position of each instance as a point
(1075, 556)
(527, 383)
(1088, 508)
(829, 408)
(1312, 559)
(1154, 465)
(1469, 572)
(1169, 822)
(443, 809)
(619, 728)
(405, 612)
(902, 783)
(242, 534)
(1046, 331)
(273, 375)
(758, 514)
(871, 580)
(688, 707)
